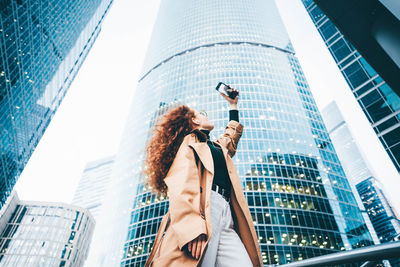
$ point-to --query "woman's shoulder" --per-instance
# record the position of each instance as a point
(196, 135)
(190, 138)
(193, 137)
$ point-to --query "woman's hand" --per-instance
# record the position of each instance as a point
(230, 100)
(196, 245)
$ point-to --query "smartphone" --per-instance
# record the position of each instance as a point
(226, 90)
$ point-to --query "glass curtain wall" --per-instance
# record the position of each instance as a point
(42, 46)
(379, 102)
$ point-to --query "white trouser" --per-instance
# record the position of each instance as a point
(225, 247)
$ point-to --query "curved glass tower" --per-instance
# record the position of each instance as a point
(300, 199)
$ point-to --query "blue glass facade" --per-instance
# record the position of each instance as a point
(379, 102)
(42, 46)
(299, 197)
(383, 219)
(385, 222)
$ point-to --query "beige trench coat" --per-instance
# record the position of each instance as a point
(186, 218)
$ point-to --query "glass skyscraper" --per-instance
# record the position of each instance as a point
(34, 233)
(379, 102)
(353, 160)
(386, 223)
(383, 218)
(42, 46)
(93, 185)
(355, 165)
(300, 200)
(90, 194)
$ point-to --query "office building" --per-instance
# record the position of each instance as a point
(90, 195)
(378, 214)
(377, 99)
(44, 234)
(383, 218)
(93, 185)
(373, 27)
(42, 46)
(355, 165)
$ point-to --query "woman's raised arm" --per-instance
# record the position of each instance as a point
(233, 131)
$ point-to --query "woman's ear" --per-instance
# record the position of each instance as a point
(195, 121)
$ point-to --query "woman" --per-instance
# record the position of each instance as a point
(208, 222)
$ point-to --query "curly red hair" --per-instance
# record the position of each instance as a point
(161, 149)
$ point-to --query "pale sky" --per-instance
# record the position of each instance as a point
(90, 119)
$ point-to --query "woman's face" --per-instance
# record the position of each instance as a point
(201, 121)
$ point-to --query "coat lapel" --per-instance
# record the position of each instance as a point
(204, 153)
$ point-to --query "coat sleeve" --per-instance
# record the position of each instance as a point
(230, 138)
(183, 183)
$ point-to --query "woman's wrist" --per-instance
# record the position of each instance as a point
(233, 106)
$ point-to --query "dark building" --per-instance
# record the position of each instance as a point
(373, 27)
(42, 46)
(377, 99)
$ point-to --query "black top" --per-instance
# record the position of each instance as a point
(221, 175)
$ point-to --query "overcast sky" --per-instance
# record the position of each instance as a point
(90, 119)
